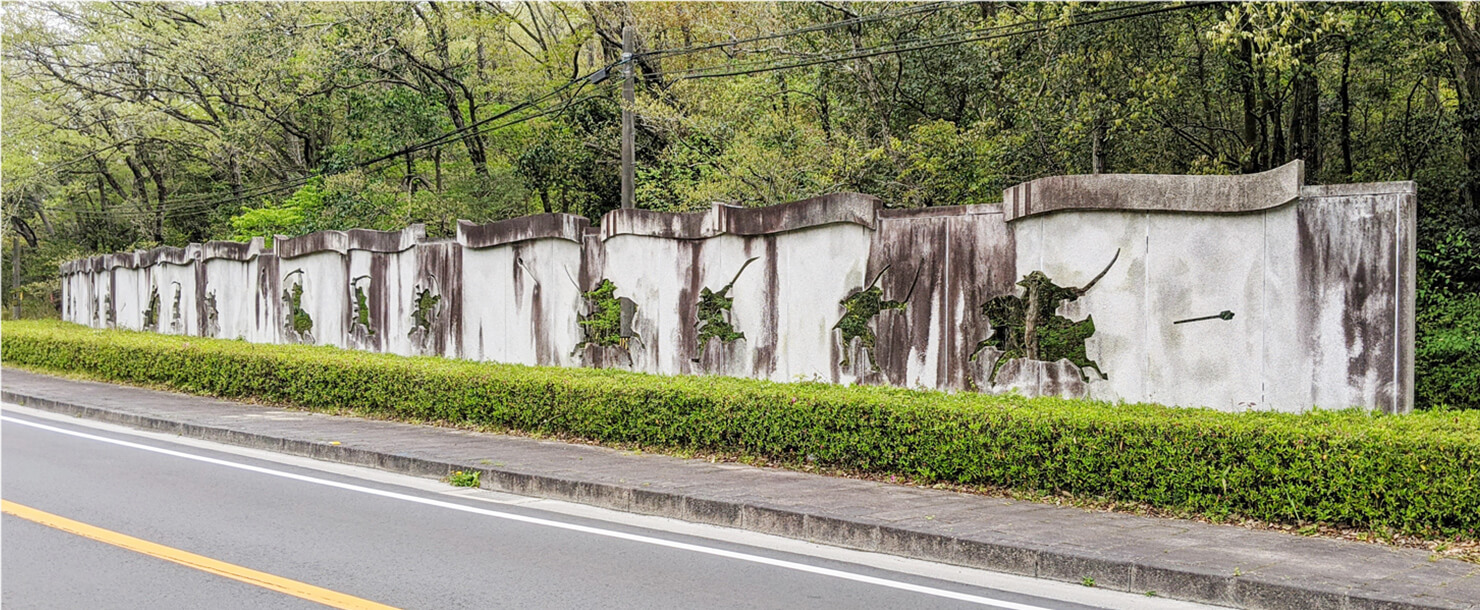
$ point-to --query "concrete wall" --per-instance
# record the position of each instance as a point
(1319, 281)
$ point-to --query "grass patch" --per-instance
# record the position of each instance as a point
(465, 478)
(1414, 474)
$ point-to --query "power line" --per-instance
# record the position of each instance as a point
(199, 202)
(918, 8)
(982, 34)
(269, 189)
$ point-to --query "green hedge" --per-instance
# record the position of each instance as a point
(1414, 473)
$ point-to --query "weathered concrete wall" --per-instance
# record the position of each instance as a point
(1318, 279)
(1316, 283)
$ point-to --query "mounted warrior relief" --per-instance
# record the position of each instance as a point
(425, 310)
(151, 314)
(713, 314)
(360, 306)
(213, 317)
(1029, 326)
(607, 320)
(297, 324)
(860, 308)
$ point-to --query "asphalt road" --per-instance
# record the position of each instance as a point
(411, 546)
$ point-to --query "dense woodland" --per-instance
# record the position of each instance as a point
(130, 125)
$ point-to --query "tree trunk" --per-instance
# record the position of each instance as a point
(160, 193)
(1305, 118)
(472, 141)
(410, 177)
(544, 199)
(1279, 153)
(1251, 111)
(1314, 159)
(1097, 148)
(236, 176)
(1468, 41)
(482, 54)
(1346, 111)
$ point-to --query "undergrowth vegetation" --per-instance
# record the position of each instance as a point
(1416, 474)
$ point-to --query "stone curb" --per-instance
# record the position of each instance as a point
(1120, 574)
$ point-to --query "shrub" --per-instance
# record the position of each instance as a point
(1414, 473)
(1447, 348)
(1447, 356)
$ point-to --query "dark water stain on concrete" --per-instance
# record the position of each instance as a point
(764, 364)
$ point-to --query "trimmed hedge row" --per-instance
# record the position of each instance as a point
(1414, 473)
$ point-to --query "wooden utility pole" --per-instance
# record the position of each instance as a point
(628, 172)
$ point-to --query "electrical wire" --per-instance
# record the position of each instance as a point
(198, 202)
(879, 16)
(982, 34)
(264, 190)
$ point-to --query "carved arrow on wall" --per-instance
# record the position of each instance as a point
(1223, 315)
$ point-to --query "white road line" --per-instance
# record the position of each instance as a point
(780, 563)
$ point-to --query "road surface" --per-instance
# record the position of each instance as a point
(98, 516)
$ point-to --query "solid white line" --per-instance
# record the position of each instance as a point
(780, 563)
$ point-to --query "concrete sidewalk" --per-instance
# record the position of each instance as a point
(1224, 565)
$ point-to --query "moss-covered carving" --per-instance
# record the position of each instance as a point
(1030, 327)
(151, 315)
(362, 305)
(175, 309)
(713, 314)
(424, 311)
(213, 324)
(298, 321)
(609, 319)
(860, 308)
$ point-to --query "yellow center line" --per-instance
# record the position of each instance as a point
(306, 591)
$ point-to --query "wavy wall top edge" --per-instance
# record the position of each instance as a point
(525, 228)
(1147, 192)
(354, 239)
(1156, 192)
(721, 219)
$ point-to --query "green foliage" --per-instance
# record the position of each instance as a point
(362, 310)
(1450, 267)
(1414, 473)
(339, 202)
(299, 322)
(465, 478)
(1057, 337)
(1447, 354)
(713, 314)
(860, 308)
(603, 326)
(425, 312)
(267, 221)
(1447, 357)
(229, 100)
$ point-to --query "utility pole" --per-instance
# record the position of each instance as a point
(629, 174)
